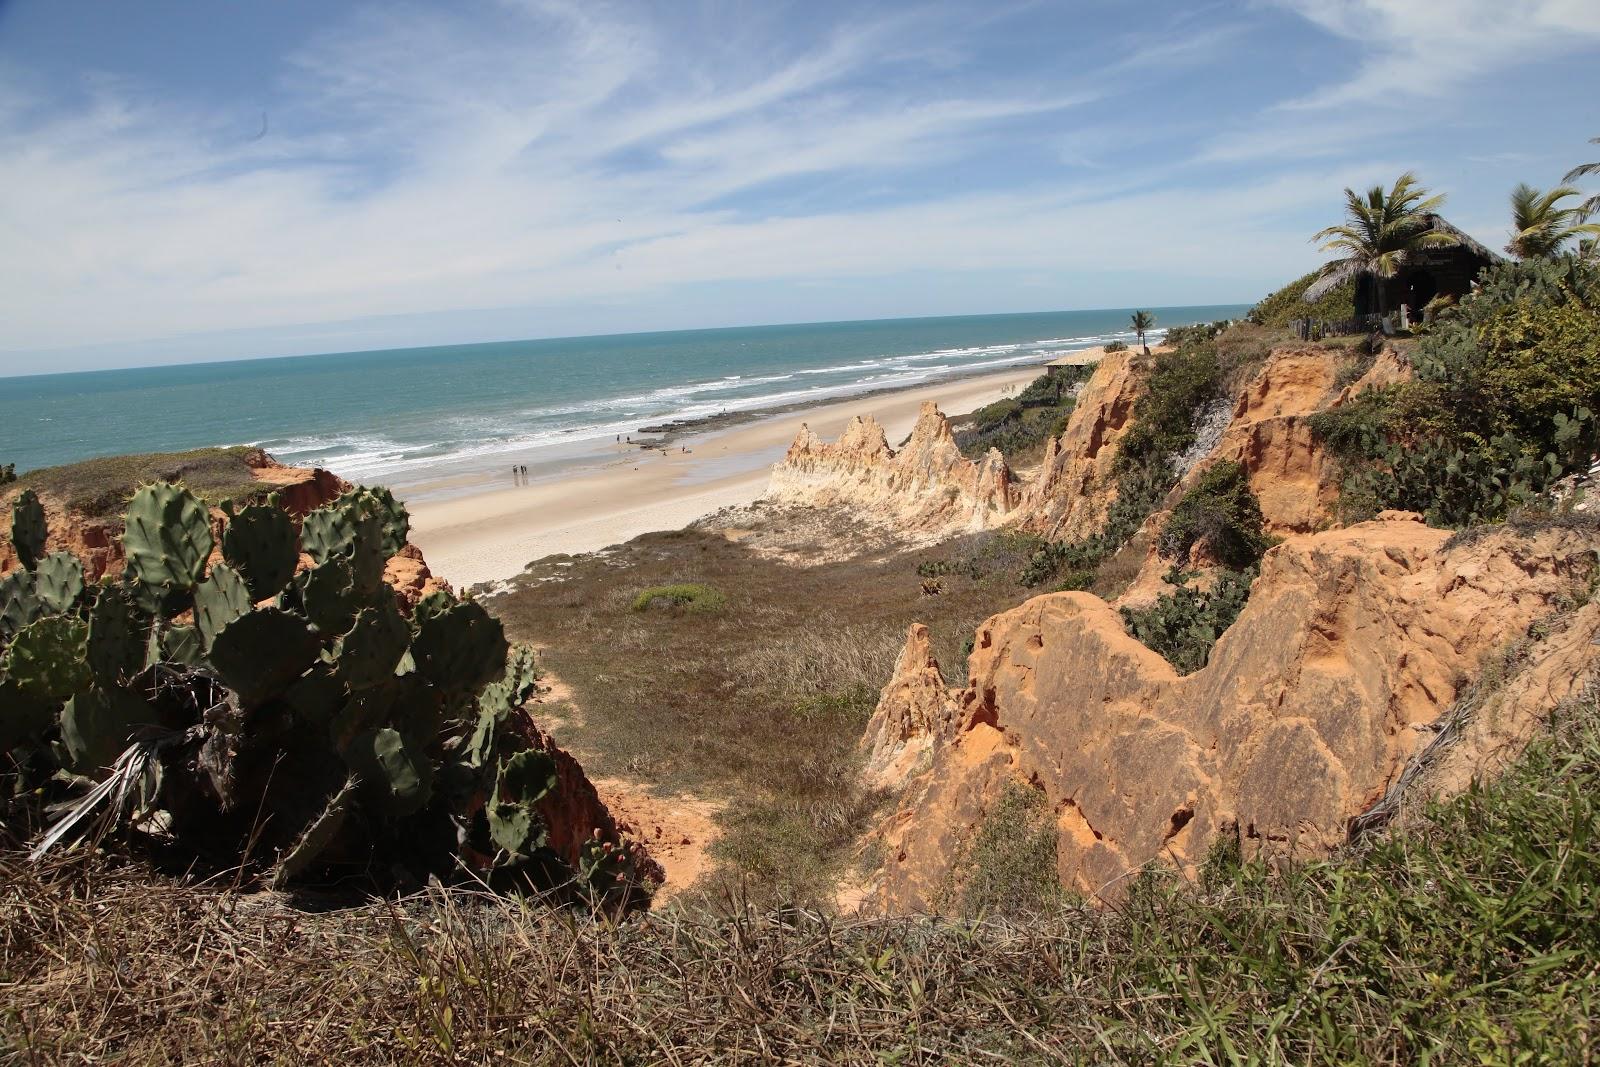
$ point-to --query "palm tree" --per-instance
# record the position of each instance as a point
(1591, 205)
(1540, 226)
(1381, 232)
(1142, 321)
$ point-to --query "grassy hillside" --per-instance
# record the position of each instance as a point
(1287, 304)
(102, 486)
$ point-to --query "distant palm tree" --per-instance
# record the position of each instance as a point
(1142, 321)
(1381, 232)
(1591, 205)
(1540, 226)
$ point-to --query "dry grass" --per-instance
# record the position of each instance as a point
(761, 702)
(102, 486)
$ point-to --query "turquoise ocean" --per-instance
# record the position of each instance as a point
(419, 415)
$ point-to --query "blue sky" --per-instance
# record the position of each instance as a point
(209, 180)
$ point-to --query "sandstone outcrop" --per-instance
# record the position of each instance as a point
(926, 490)
(1353, 644)
(1074, 490)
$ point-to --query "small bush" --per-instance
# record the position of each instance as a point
(1115, 346)
(1009, 865)
(8, 473)
(692, 596)
(1021, 424)
(1163, 420)
(1221, 511)
(1184, 625)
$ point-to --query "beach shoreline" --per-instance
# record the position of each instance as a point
(488, 536)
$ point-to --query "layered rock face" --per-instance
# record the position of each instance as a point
(1353, 643)
(1074, 490)
(927, 490)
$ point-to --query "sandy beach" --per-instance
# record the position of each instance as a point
(490, 536)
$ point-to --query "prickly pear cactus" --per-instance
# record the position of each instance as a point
(258, 655)
(28, 530)
(396, 775)
(328, 593)
(117, 635)
(219, 600)
(58, 578)
(260, 544)
(97, 724)
(461, 649)
(167, 540)
(369, 653)
(49, 658)
(525, 779)
(349, 529)
(19, 601)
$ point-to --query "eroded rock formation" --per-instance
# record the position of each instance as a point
(1352, 645)
(926, 490)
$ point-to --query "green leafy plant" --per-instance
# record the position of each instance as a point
(1184, 624)
(1221, 513)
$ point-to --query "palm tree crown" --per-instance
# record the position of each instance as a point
(1142, 321)
(1382, 231)
(1540, 226)
(1591, 205)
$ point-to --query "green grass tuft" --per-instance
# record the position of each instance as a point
(691, 596)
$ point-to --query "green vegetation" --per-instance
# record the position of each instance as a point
(1008, 867)
(1381, 232)
(1114, 346)
(1499, 409)
(104, 486)
(321, 736)
(1019, 426)
(8, 473)
(1590, 206)
(1184, 624)
(1462, 935)
(1540, 226)
(691, 596)
(1221, 512)
(1288, 304)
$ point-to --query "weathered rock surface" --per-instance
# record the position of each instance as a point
(1074, 490)
(1354, 641)
(927, 490)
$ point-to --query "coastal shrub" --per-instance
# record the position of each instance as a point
(1184, 624)
(296, 725)
(1163, 419)
(1287, 304)
(691, 596)
(1019, 425)
(1115, 346)
(1008, 866)
(1500, 407)
(103, 486)
(8, 473)
(1221, 512)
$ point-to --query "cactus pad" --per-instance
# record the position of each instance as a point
(116, 649)
(329, 596)
(23, 717)
(260, 654)
(369, 653)
(97, 724)
(183, 644)
(168, 539)
(260, 542)
(398, 777)
(28, 530)
(58, 578)
(525, 779)
(48, 658)
(19, 601)
(460, 650)
(220, 599)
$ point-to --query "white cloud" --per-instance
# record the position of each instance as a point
(1416, 49)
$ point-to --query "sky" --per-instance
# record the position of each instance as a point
(219, 180)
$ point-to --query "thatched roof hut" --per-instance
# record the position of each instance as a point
(1448, 270)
